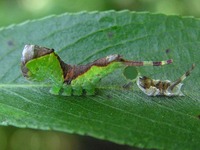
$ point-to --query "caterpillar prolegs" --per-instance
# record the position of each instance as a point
(41, 64)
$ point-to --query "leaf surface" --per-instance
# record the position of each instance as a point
(122, 115)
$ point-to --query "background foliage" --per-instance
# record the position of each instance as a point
(15, 11)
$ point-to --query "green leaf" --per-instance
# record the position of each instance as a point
(121, 115)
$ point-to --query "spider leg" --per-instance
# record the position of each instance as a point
(183, 77)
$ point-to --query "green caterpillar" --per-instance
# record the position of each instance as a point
(43, 64)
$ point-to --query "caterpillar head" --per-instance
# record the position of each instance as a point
(31, 52)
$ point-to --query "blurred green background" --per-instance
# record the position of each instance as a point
(16, 11)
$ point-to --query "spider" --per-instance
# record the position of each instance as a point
(153, 87)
